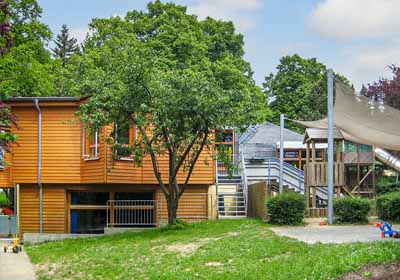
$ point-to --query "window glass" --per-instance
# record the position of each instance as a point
(92, 143)
(88, 221)
(133, 196)
(122, 134)
(89, 198)
(1, 158)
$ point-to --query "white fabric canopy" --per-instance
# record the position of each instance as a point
(362, 121)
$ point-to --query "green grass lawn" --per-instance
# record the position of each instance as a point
(225, 249)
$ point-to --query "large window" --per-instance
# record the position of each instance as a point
(91, 144)
(88, 211)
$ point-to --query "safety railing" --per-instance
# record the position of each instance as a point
(131, 213)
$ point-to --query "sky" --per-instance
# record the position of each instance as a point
(356, 38)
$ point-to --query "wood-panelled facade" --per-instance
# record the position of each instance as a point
(65, 169)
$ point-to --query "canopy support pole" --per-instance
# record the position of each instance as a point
(330, 146)
(281, 150)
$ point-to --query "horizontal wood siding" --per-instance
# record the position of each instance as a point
(29, 208)
(62, 154)
(127, 172)
(193, 205)
(54, 209)
(24, 153)
(61, 145)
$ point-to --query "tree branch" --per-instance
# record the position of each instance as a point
(203, 143)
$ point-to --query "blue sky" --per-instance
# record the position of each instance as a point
(357, 38)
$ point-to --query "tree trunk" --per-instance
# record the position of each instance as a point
(172, 204)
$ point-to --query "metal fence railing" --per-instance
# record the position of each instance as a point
(131, 213)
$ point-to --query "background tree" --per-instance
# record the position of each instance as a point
(298, 89)
(386, 90)
(175, 78)
(27, 68)
(65, 46)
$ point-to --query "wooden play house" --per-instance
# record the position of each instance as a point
(354, 166)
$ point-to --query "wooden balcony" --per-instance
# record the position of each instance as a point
(361, 157)
(317, 174)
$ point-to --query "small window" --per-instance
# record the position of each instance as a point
(124, 135)
(1, 158)
(91, 147)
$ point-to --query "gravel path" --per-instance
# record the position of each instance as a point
(15, 266)
(332, 234)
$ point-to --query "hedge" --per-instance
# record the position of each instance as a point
(388, 206)
(387, 188)
(351, 210)
(286, 209)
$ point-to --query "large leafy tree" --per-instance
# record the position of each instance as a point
(176, 78)
(65, 46)
(27, 68)
(298, 89)
(386, 90)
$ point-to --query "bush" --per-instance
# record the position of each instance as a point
(351, 210)
(388, 206)
(384, 188)
(286, 209)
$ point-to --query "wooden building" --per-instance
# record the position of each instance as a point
(67, 179)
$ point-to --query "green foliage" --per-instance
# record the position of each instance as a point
(298, 89)
(286, 209)
(176, 78)
(223, 249)
(387, 186)
(26, 68)
(388, 206)
(177, 225)
(351, 210)
(3, 199)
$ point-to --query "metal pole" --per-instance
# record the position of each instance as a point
(281, 149)
(330, 146)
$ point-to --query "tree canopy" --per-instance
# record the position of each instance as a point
(26, 69)
(177, 79)
(298, 89)
(386, 90)
(65, 46)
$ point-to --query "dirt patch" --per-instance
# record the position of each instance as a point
(189, 248)
(375, 272)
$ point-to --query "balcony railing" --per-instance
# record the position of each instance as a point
(131, 213)
(317, 174)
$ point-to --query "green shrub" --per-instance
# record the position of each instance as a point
(384, 188)
(351, 210)
(388, 206)
(286, 209)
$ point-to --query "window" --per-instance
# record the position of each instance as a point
(2, 154)
(1, 159)
(124, 135)
(91, 144)
(88, 211)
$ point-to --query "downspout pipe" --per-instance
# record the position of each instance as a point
(39, 165)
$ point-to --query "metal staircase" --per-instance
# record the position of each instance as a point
(231, 192)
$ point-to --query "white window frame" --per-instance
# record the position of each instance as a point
(96, 145)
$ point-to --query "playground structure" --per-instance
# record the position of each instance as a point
(354, 166)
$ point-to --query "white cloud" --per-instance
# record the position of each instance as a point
(366, 64)
(238, 11)
(356, 19)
